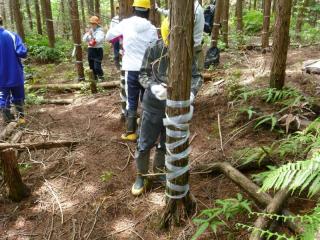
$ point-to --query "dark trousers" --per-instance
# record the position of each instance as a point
(95, 56)
(116, 50)
(151, 131)
(134, 90)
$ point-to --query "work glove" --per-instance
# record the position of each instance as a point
(160, 91)
(192, 97)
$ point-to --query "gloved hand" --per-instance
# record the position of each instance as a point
(192, 97)
(160, 91)
(156, 5)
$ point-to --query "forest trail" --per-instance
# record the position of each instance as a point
(84, 192)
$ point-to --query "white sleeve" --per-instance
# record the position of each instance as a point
(86, 37)
(115, 32)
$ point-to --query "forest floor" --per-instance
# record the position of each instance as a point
(84, 192)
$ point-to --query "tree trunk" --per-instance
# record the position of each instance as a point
(300, 19)
(49, 21)
(97, 8)
(216, 24)
(255, 4)
(225, 22)
(239, 16)
(112, 8)
(17, 189)
(38, 16)
(125, 8)
(11, 11)
(166, 4)
(90, 5)
(65, 29)
(76, 35)
(154, 16)
(274, 6)
(83, 15)
(18, 17)
(280, 44)
(3, 10)
(29, 14)
(179, 200)
(266, 24)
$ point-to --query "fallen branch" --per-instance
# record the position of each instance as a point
(44, 145)
(73, 86)
(274, 207)
(249, 187)
(56, 101)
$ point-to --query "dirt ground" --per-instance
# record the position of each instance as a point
(84, 192)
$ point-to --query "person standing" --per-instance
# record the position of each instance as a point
(154, 77)
(94, 37)
(12, 50)
(116, 43)
(137, 32)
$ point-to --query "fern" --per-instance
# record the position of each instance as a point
(265, 233)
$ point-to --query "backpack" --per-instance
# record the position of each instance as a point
(209, 18)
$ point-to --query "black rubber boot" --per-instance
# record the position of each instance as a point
(20, 113)
(101, 78)
(159, 165)
(141, 183)
(131, 126)
(7, 115)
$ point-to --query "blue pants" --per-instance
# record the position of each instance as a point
(10, 95)
(134, 91)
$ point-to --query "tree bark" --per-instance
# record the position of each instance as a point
(18, 17)
(90, 6)
(154, 16)
(46, 4)
(225, 22)
(29, 14)
(239, 11)
(180, 55)
(274, 6)
(112, 8)
(83, 14)
(300, 19)
(266, 24)
(76, 35)
(11, 11)
(38, 16)
(216, 24)
(3, 11)
(125, 8)
(274, 207)
(65, 29)
(17, 189)
(255, 4)
(97, 8)
(280, 44)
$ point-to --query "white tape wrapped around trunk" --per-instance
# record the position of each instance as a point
(182, 135)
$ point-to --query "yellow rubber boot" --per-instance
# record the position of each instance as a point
(132, 137)
(140, 186)
(131, 125)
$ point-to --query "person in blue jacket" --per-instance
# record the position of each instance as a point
(12, 50)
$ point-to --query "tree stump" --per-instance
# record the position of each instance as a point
(17, 189)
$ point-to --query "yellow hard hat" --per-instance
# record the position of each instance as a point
(165, 31)
(94, 20)
(142, 4)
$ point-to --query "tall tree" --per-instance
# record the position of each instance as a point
(225, 21)
(266, 24)
(83, 15)
(18, 17)
(49, 21)
(76, 35)
(154, 15)
(216, 23)
(255, 4)
(65, 28)
(90, 5)
(29, 14)
(274, 6)
(11, 11)
(300, 18)
(239, 13)
(112, 8)
(38, 16)
(97, 8)
(179, 200)
(3, 10)
(280, 44)
(125, 8)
